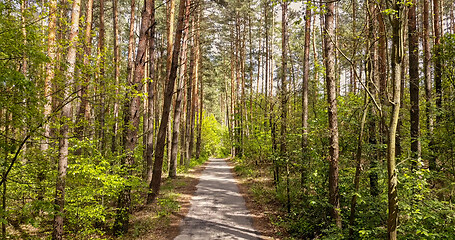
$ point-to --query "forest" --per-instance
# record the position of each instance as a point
(340, 115)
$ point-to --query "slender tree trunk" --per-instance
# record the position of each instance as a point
(329, 50)
(132, 119)
(149, 134)
(116, 76)
(397, 57)
(82, 113)
(161, 137)
(194, 78)
(50, 68)
(428, 84)
(201, 91)
(306, 77)
(178, 101)
(199, 125)
(102, 89)
(50, 74)
(65, 119)
(189, 92)
(170, 15)
(414, 82)
(371, 82)
(437, 57)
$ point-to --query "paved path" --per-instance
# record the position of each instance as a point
(217, 210)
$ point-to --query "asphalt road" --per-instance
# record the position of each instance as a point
(217, 210)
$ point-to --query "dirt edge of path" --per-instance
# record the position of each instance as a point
(187, 193)
(146, 222)
(260, 213)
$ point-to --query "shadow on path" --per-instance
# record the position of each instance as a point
(217, 210)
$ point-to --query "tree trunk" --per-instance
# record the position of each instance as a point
(329, 50)
(116, 76)
(414, 82)
(284, 82)
(102, 89)
(178, 101)
(371, 83)
(50, 74)
(133, 118)
(65, 119)
(306, 76)
(437, 57)
(82, 113)
(397, 41)
(155, 184)
(149, 134)
(194, 77)
(428, 84)
(201, 91)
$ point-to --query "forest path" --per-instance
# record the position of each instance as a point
(218, 211)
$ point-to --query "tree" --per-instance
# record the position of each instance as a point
(179, 97)
(132, 118)
(329, 62)
(116, 74)
(64, 123)
(414, 82)
(155, 184)
(397, 59)
(305, 81)
(83, 111)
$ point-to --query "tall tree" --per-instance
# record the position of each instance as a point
(437, 56)
(83, 111)
(102, 83)
(427, 77)
(306, 76)
(414, 81)
(284, 97)
(132, 118)
(50, 68)
(178, 101)
(151, 96)
(155, 184)
(64, 124)
(396, 61)
(329, 51)
(116, 74)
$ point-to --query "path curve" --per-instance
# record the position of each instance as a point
(217, 210)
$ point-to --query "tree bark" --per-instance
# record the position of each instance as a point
(428, 83)
(133, 118)
(102, 89)
(306, 76)
(155, 184)
(201, 91)
(437, 57)
(179, 97)
(397, 57)
(151, 98)
(329, 50)
(83, 107)
(116, 76)
(371, 83)
(65, 119)
(414, 82)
